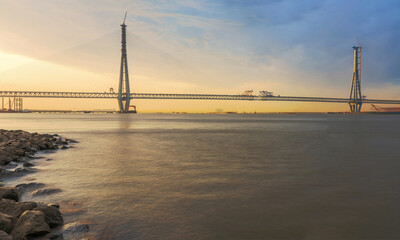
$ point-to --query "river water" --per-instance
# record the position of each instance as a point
(195, 176)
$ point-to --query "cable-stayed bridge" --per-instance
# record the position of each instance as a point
(237, 97)
(124, 95)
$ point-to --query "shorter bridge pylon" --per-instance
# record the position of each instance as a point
(356, 99)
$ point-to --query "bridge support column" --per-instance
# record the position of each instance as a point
(124, 94)
(356, 99)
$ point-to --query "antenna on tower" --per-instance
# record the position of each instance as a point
(125, 17)
(359, 44)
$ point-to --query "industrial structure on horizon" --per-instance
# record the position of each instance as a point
(12, 104)
(124, 94)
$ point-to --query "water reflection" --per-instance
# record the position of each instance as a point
(125, 121)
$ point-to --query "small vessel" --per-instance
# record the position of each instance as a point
(132, 111)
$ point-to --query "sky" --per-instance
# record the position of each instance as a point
(289, 47)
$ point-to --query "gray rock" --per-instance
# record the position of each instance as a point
(56, 236)
(10, 193)
(43, 147)
(11, 164)
(75, 230)
(5, 159)
(15, 209)
(56, 205)
(28, 164)
(5, 236)
(30, 186)
(6, 222)
(46, 191)
(53, 147)
(61, 142)
(6, 174)
(52, 215)
(25, 170)
(51, 236)
(30, 224)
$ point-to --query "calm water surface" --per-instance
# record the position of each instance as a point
(178, 177)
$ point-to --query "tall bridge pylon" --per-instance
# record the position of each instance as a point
(356, 99)
(124, 93)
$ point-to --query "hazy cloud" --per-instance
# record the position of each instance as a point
(231, 43)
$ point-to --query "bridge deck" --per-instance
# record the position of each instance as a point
(185, 96)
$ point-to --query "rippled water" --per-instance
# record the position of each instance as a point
(166, 176)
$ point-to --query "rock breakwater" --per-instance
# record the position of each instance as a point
(17, 145)
(27, 220)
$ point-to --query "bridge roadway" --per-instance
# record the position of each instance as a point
(185, 96)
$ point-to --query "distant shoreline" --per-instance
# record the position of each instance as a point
(210, 113)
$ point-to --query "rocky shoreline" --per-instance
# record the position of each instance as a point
(30, 220)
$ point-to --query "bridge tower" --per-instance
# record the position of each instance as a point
(355, 93)
(124, 95)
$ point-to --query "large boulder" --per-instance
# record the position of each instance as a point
(53, 216)
(10, 193)
(5, 236)
(6, 223)
(30, 224)
(15, 209)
